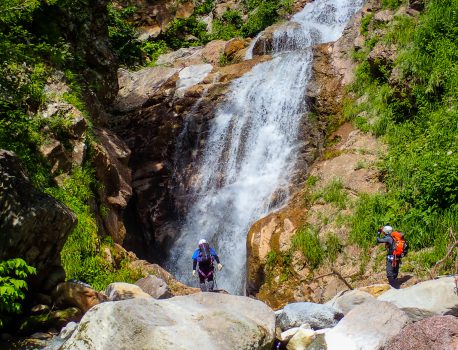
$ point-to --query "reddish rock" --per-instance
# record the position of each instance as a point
(77, 294)
(233, 46)
(438, 333)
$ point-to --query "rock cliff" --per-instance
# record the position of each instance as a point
(33, 225)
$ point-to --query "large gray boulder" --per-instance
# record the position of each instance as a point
(318, 316)
(425, 299)
(198, 321)
(33, 225)
(348, 300)
(366, 327)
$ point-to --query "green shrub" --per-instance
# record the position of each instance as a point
(180, 30)
(224, 31)
(153, 49)
(307, 241)
(205, 7)
(365, 21)
(265, 15)
(392, 4)
(123, 35)
(13, 285)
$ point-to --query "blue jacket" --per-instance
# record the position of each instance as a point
(196, 254)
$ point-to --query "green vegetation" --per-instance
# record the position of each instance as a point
(13, 275)
(332, 247)
(307, 241)
(332, 193)
(191, 31)
(392, 4)
(30, 53)
(412, 104)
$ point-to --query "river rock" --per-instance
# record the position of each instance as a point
(301, 339)
(122, 291)
(434, 297)
(316, 315)
(438, 333)
(33, 225)
(366, 327)
(154, 286)
(198, 321)
(348, 300)
(74, 293)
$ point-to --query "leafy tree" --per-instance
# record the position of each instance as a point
(13, 285)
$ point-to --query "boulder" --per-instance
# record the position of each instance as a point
(191, 76)
(301, 339)
(366, 327)
(198, 321)
(316, 315)
(154, 286)
(434, 297)
(186, 57)
(33, 225)
(137, 88)
(438, 333)
(122, 291)
(233, 46)
(176, 287)
(347, 301)
(74, 293)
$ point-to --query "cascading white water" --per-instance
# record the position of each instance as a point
(250, 152)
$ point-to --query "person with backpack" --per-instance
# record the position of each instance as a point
(204, 256)
(397, 248)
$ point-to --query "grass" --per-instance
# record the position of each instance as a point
(333, 193)
(306, 240)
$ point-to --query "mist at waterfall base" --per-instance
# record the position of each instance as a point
(251, 150)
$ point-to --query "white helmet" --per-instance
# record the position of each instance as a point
(202, 241)
(387, 230)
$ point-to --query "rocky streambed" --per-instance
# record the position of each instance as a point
(423, 316)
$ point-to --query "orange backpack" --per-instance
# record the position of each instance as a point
(400, 245)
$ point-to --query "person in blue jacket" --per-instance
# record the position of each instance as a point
(202, 259)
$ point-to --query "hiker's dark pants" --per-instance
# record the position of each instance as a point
(206, 273)
(392, 270)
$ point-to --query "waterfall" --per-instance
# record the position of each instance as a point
(252, 145)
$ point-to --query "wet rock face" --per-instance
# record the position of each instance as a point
(33, 225)
(164, 124)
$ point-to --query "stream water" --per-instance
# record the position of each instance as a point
(252, 146)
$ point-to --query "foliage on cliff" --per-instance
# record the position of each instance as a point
(32, 50)
(191, 31)
(411, 102)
